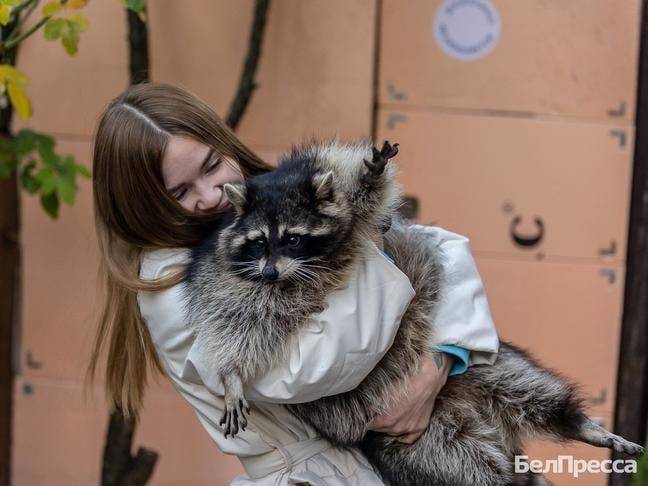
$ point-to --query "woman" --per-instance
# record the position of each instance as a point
(161, 158)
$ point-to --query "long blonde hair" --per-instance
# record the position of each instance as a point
(134, 213)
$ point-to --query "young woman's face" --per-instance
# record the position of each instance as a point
(194, 174)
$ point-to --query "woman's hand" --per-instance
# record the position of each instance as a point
(408, 418)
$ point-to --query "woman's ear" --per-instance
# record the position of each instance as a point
(236, 195)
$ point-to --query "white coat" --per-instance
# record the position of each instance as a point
(332, 354)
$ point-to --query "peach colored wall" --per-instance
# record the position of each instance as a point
(524, 131)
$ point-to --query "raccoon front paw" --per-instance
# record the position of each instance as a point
(235, 415)
(380, 158)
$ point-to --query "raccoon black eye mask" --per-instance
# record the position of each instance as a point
(296, 234)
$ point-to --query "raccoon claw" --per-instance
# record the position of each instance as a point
(235, 416)
(380, 158)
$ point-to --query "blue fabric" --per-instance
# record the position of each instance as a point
(462, 356)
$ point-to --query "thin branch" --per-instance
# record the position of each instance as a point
(26, 3)
(246, 84)
(23, 20)
(12, 41)
(138, 48)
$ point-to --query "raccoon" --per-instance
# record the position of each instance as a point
(294, 235)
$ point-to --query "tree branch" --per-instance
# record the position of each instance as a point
(139, 49)
(119, 466)
(246, 84)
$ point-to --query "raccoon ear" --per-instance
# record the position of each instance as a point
(236, 195)
(323, 184)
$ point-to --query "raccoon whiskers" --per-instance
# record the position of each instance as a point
(303, 275)
(301, 270)
(247, 268)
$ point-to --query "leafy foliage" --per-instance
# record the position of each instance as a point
(40, 170)
(67, 26)
(12, 82)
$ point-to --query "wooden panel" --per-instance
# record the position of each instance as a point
(567, 315)
(68, 93)
(477, 174)
(60, 302)
(575, 58)
(58, 438)
(309, 81)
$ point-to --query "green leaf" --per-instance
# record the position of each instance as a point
(82, 169)
(54, 28)
(24, 142)
(29, 182)
(51, 8)
(78, 23)
(47, 180)
(66, 189)
(12, 3)
(45, 147)
(50, 204)
(19, 100)
(76, 4)
(70, 39)
(5, 13)
(10, 73)
(136, 6)
(43, 141)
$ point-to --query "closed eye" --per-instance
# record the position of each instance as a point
(214, 166)
(180, 194)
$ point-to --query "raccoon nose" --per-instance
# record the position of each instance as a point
(270, 273)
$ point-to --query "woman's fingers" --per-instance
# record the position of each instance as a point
(408, 417)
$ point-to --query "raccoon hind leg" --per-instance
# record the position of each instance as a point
(458, 448)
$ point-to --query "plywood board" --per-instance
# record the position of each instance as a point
(576, 59)
(309, 80)
(490, 178)
(59, 437)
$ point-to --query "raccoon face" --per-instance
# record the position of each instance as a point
(288, 226)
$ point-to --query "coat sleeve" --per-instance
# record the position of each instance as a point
(464, 319)
(332, 354)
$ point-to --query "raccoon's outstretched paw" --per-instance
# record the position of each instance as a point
(235, 416)
(380, 158)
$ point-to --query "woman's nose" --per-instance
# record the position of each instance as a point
(208, 196)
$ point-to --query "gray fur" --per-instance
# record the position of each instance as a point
(480, 417)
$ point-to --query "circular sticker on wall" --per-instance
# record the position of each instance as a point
(467, 29)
